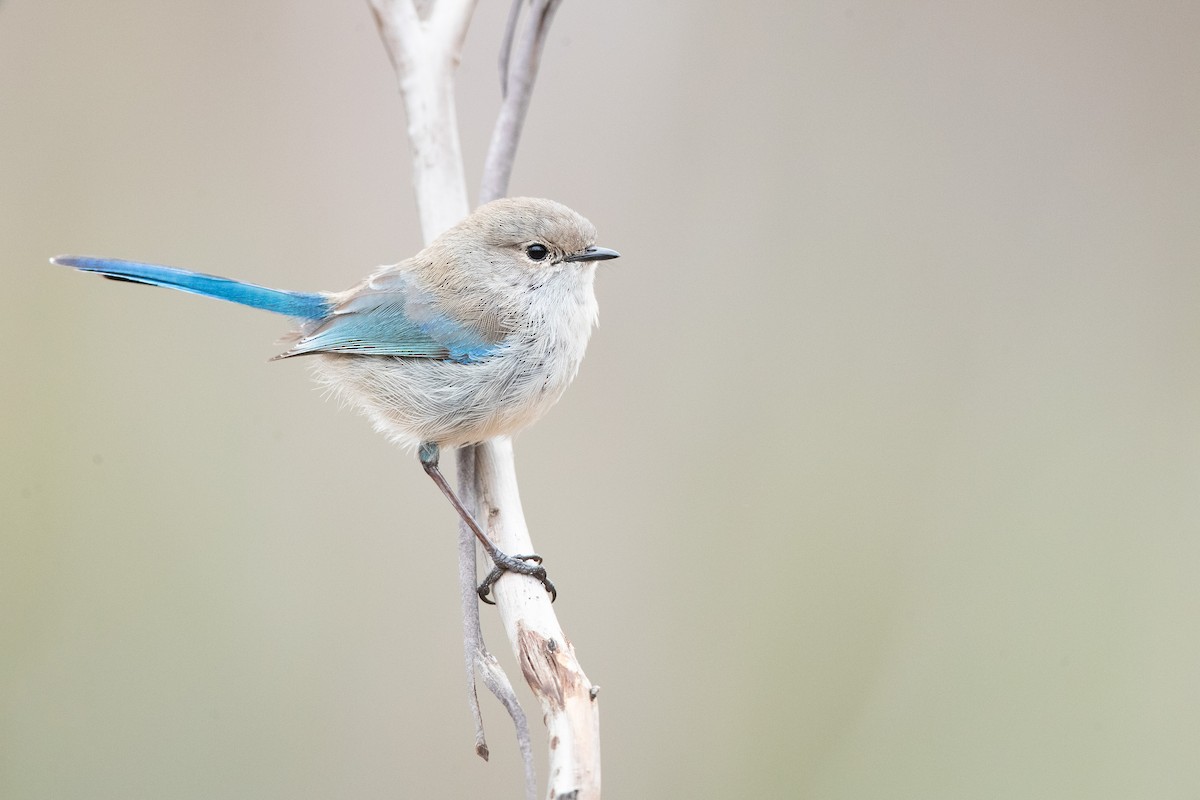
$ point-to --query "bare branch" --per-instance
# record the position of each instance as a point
(497, 682)
(473, 646)
(449, 22)
(518, 72)
(506, 44)
(546, 655)
(425, 53)
(424, 41)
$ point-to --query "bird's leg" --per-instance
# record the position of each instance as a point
(428, 453)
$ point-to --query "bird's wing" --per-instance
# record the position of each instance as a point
(389, 316)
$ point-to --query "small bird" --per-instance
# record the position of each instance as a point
(476, 336)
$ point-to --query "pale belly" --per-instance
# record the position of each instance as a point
(415, 400)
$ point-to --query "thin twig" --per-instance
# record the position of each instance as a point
(477, 655)
(506, 44)
(519, 71)
(467, 576)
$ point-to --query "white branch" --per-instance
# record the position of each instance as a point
(425, 53)
(424, 41)
(546, 655)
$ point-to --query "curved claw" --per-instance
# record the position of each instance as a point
(485, 588)
(518, 565)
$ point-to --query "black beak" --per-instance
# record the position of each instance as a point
(593, 254)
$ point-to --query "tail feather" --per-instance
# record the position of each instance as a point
(293, 304)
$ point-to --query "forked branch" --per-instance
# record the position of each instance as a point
(424, 40)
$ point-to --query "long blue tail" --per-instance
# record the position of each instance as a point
(292, 304)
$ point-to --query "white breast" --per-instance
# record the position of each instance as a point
(415, 400)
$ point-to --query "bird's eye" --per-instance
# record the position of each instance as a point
(537, 252)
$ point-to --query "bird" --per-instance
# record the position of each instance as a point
(474, 337)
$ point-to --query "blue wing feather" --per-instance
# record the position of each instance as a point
(390, 317)
(385, 331)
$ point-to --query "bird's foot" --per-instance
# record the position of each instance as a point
(520, 565)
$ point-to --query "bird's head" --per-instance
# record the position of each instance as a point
(526, 240)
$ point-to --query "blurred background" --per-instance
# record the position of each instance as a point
(881, 478)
